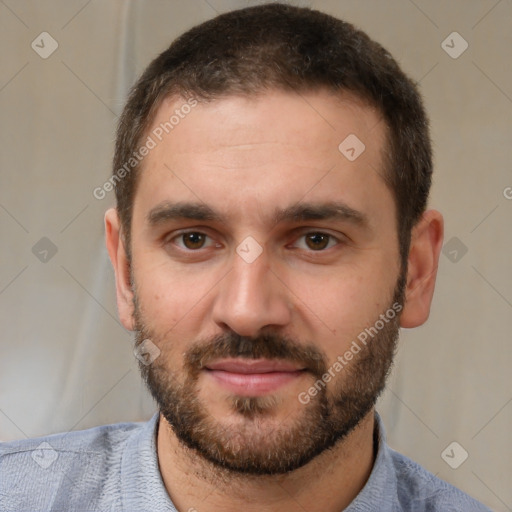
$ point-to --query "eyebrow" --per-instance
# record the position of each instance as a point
(321, 211)
(178, 211)
(299, 212)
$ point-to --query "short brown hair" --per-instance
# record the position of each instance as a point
(278, 46)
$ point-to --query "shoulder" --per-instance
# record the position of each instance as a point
(34, 471)
(94, 440)
(418, 489)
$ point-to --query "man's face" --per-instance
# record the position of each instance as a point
(260, 253)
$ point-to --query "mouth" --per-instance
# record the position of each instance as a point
(252, 377)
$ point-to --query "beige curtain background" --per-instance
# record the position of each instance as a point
(66, 362)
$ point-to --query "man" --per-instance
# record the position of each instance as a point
(272, 170)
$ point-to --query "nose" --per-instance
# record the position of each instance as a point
(251, 297)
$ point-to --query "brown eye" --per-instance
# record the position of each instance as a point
(193, 240)
(317, 241)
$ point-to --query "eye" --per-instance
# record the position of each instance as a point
(316, 241)
(192, 240)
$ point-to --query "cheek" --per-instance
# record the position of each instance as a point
(338, 308)
(170, 300)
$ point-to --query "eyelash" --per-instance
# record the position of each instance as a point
(303, 235)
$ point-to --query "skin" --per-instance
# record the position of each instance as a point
(245, 157)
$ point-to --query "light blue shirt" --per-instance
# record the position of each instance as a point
(114, 468)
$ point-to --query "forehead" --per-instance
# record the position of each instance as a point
(276, 146)
(319, 118)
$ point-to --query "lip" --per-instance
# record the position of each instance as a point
(253, 366)
(252, 377)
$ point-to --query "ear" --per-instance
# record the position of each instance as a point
(426, 243)
(116, 250)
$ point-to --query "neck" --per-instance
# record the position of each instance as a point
(328, 483)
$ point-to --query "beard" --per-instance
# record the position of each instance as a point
(257, 443)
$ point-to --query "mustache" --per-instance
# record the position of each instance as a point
(267, 346)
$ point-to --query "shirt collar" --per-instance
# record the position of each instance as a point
(142, 487)
(379, 492)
